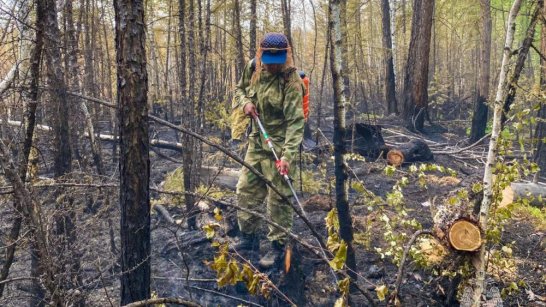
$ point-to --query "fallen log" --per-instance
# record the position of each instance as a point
(365, 140)
(107, 137)
(535, 192)
(223, 177)
(414, 151)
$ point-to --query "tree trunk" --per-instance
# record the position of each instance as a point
(55, 75)
(416, 78)
(189, 121)
(74, 87)
(479, 118)
(134, 166)
(253, 19)
(29, 120)
(342, 202)
(540, 131)
(240, 61)
(390, 83)
(493, 150)
(286, 9)
(520, 62)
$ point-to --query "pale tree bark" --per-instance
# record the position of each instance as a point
(392, 18)
(340, 102)
(520, 62)
(20, 66)
(134, 164)
(390, 82)
(479, 118)
(415, 97)
(493, 150)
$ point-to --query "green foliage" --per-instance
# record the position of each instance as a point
(217, 114)
(173, 183)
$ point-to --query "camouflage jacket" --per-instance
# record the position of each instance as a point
(278, 100)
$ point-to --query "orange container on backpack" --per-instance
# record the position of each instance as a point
(305, 97)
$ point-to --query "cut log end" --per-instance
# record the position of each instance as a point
(465, 236)
(395, 157)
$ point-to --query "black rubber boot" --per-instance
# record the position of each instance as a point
(273, 256)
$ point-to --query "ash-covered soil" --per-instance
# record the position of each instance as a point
(179, 255)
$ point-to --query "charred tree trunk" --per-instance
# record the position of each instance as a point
(65, 227)
(415, 99)
(520, 62)
(540, 131)
(390, 82)
(493, 151)
(189, 121)
(342, 202)
(134, 167)
(479, 118)
(55, 74)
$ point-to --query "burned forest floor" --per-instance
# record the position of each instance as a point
(181, 257)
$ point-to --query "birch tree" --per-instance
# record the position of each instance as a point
(340, 102)
(493, 150)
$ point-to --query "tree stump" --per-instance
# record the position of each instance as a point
(414, 151)
(457, 226)
(464, 235)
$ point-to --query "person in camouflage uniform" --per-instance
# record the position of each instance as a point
(270, 88)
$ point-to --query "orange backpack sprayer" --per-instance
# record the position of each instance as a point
(305, 95)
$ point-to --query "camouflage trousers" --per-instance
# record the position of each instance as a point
(252, 191)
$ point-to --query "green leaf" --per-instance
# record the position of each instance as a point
(389, 170)
(340, 258)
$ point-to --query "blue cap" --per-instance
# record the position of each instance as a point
(275, 48)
